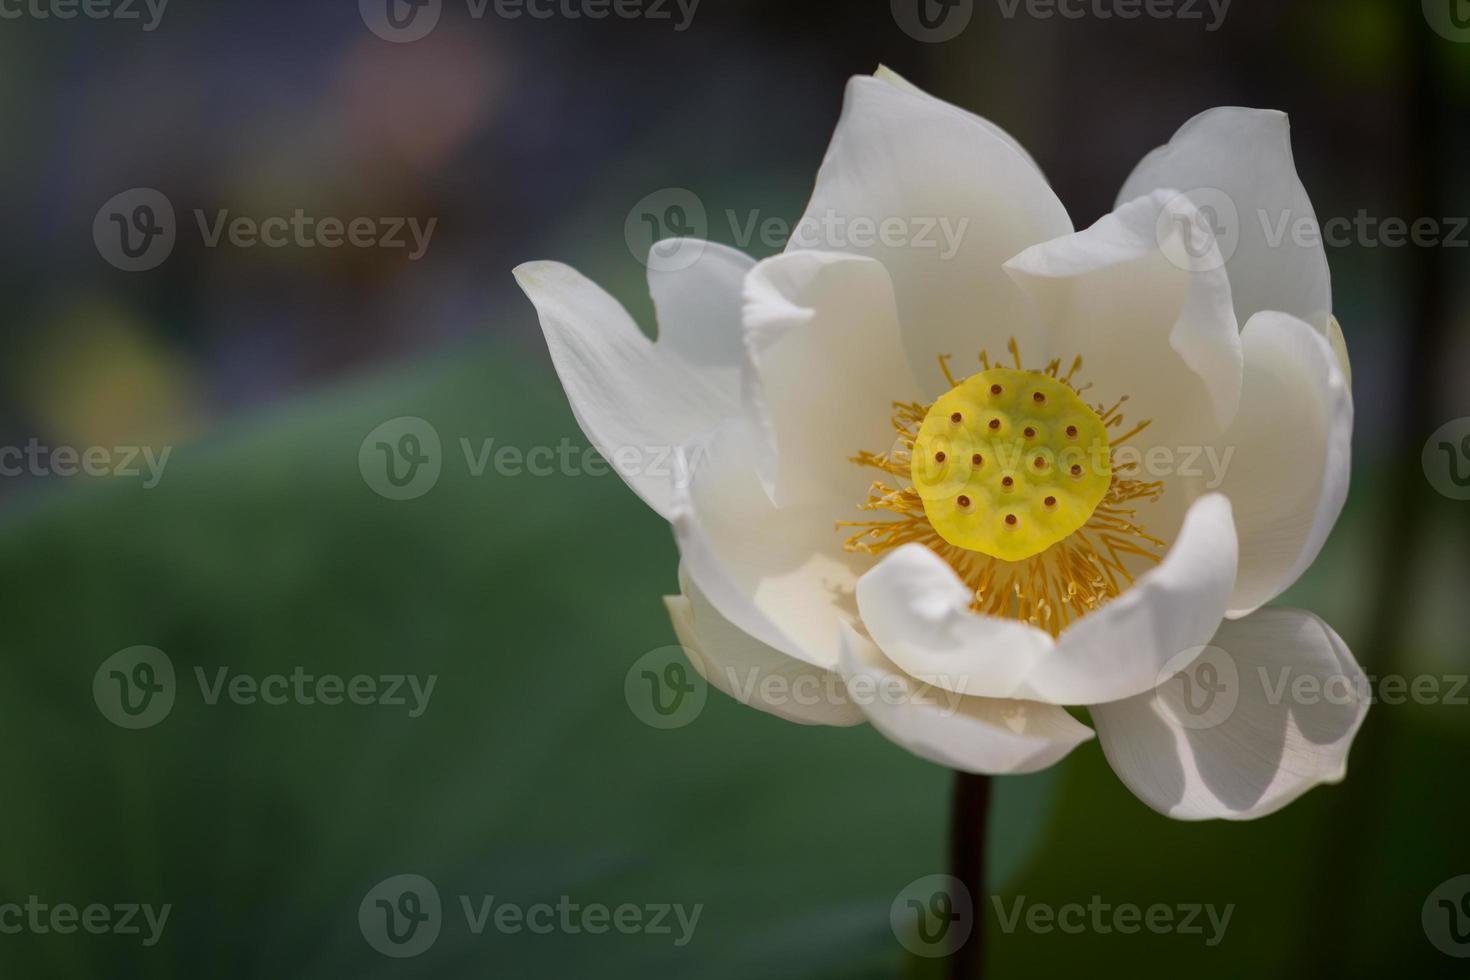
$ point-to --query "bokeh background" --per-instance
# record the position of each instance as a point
(263, 548)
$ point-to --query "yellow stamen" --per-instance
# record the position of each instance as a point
(1040, 543)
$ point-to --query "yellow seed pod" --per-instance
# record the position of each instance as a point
(1010, 462)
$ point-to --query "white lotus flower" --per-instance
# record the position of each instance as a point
(1024, 547)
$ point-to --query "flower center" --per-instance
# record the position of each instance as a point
(1013, 480)
(1010, 462)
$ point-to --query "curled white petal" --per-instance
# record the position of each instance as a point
(1290, 452)
(979, 735)
(1238, 163)
(1274, 716)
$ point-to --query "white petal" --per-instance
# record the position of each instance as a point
(823, 337)
(778, 573)
(1118, 650)
(1339, 347)
(1288, 699)
(958, 200)
(636, 402)
(978, 735)
(751, 672)
(1292, 445)
(1150, 319)
(1238, 163)
(917, 610)
(886, 74)
(699, 310)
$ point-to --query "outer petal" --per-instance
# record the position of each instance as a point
(699, 311)
(1238, 163)
(778, 573)
(973, 734)
(1298, 700)
(1292, 446)
(886, 74)
(635, 401)
(917, 611)
(823, 338)
(751, 672)
(963, 200)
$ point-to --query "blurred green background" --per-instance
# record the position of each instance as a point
(263, 548)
